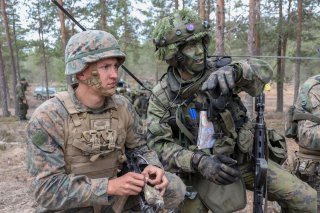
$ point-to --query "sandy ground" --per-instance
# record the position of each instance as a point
(15, 195)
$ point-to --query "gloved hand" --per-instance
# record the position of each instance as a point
(220, 82)
(215, 168)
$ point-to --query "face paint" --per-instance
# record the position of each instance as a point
(194, 56)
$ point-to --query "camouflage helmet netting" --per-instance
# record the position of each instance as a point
(88, 47)
(174, 29)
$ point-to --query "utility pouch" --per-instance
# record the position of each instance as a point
(222, 198)
(291, 125)
(277, 146)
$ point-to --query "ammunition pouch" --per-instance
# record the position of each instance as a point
(221, 198)
(277, 146)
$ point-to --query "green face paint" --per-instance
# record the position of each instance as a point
(194, 56)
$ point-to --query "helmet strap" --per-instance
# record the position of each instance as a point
(94, 79)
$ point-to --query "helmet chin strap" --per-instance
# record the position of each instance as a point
(94, 79)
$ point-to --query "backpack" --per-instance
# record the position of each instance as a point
(301, 110)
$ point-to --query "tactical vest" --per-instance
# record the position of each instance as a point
(94, 145)
(227, 114)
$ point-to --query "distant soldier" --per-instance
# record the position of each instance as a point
(141, 104)
(24, 84)
(22, 101)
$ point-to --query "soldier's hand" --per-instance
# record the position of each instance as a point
(220, 82)
(156, 177)
(219, 169)
(129, 184)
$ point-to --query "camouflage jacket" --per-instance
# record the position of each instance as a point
(162, 135)
(53, 188)
(20, 93)
(308, 101)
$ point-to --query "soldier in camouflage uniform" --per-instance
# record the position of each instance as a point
(197, 92)
(78, 140)
(305, 129)
(22, 100)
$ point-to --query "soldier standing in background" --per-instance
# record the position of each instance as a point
(198, 124)
(79, 140)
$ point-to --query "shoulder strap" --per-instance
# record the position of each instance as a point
(65, 99)
(306, 116)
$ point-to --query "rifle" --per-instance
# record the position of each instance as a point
(260, 148)
(150, 201)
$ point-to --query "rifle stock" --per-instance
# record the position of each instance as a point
(260, 149)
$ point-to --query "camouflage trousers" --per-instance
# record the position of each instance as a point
(23, 110)
(292, 194)
(307, 169)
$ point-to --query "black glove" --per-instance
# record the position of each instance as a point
(220, 82)
(215, 168)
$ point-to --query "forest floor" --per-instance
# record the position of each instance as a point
(15, 195)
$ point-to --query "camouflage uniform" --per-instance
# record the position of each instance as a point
(173, 125)
(305, 162)
(73, 151)
(22, 101)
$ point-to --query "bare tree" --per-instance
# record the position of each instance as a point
(103, 10)
(258, 19)
(202, 9)
(3, 89)
(176, 4)
(64, 35)
(42, 47)
(298, 52)
(280, 76)
(13, 64)
(220, 23)
(248, 102)
(208, 10)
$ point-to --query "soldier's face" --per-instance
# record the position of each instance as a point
(194, 56)
(101, 77)
(108, 72)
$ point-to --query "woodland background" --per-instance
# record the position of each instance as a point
(33, 35)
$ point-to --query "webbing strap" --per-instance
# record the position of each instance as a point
(182, 127)
(306, 116)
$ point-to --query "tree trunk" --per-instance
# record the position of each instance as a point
(220, 27)
(248, 102)
(279, 78)
(103, 15)
(3, 93)
(17, 60)
(176, 4)
(43, 50)
(64, 35)
(202, 9)
(298, 52)
(208, 10)
(258, 17)
(14, 72)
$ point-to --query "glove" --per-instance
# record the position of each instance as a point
(215, 168)
(220, 82)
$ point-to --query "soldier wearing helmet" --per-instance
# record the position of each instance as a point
(79, 140)
(199, 126)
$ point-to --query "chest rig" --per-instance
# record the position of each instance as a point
(227, 113)
(94, 143)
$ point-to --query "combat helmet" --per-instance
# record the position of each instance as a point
(173, 31)
(88, 47)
